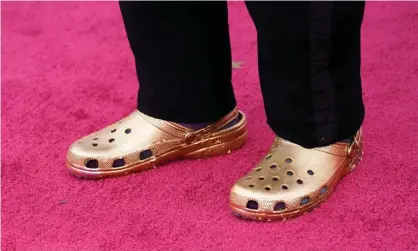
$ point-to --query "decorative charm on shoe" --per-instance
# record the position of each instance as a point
(292, 180)
(140, 142)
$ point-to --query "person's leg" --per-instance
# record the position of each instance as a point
(186, 105)
(183, 59)
(309, 65)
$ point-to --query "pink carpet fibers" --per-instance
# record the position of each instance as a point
(67, 70)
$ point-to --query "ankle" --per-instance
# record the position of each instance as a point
(197, 126)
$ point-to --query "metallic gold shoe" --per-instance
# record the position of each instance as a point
(292, 180)
(140, 142)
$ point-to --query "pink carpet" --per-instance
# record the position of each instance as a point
(67, 70)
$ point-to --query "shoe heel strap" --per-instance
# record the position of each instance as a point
(208, 130)
(355, 146)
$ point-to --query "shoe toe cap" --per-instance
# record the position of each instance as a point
(270, 196)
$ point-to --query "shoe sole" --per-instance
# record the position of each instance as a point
(274, 216)
(222, 143)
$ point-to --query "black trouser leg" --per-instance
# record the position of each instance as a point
(309, 66)
(183, 59)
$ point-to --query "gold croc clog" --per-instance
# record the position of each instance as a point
(292, 180)
(140, 142)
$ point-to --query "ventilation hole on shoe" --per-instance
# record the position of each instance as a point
(95, 138)
(93, 164)
(305, 200)
(288, 160)
(268, 156)
(273, 166)
(128, 131)
(310, 172)
(249, 177)
(290, 173)
(251, 204)
(323, 190)
(251, 185)
(275, 178)
(285, 187)
(114, 130)
(118, 163)
(94, 144)
(111, 140)
(267, 188)
(258, 169)
(299, 181)
(279, 206)
(145, 154)
(261, 178)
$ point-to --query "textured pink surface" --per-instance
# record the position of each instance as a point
(67, 70)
